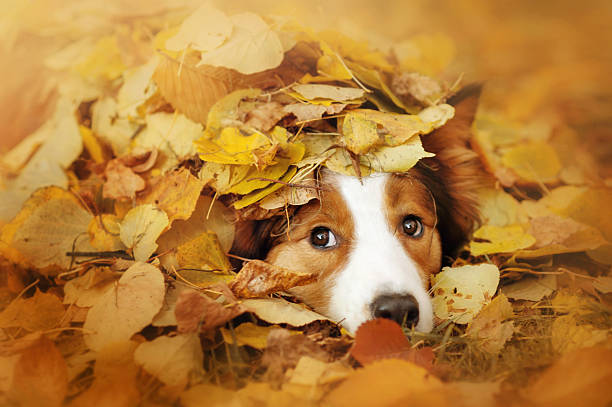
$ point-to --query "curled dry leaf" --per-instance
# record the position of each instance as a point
(51, 224)
(283, 351)
(384, 339)
(489, 328)
(258, 279)
(140, 229)
(121, 181)
(279, 311)
(171, 359)
(40, 312)
(461, 292)
(126, 307)
(40, 376)
(196, 312)
(263, 117)
(291, 195)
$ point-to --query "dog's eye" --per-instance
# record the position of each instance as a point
(322, 238)
(412, 226)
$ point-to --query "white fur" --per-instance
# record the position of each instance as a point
(378, 263)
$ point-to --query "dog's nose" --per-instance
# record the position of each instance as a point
(401, 308)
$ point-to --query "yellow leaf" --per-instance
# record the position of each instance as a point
(92, 145)
(330, 65)
(232, 147)
(104, 233)
(500, 240)
(125, 308)
(569, 334)
(204, 30)
(250, 334)
(222, 177)
(312, 92)
(140, 229)
(461, 292)
(171, 359)
(138, 86)
(279, 311)
(41, 312)
(259, 194)
(176, 194)
(51, 224)
(360, 134)
(251, 183)
(104, 60)
(252, 47)
(404, 384)
(172, 134)
(204, 252)
(428, 54)
(499, 208)
(533, 162)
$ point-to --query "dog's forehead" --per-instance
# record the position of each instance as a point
(402, 191)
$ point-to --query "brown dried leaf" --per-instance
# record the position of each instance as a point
(197, 312)
(176, 194)
(306, 111)
(193, 90)
(488, 326)
(285, 349)
(126, 307)
(40, 312)
(258, 279)
(280, 311)
(121, 181)
(263, 117)
(40, 377)
(384, 339)
(139, 160)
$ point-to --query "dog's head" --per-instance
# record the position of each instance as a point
(374, 242)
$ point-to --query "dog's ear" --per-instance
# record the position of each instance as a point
(457, 169)
(254, 238)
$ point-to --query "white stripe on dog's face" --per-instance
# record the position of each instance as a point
(378, 262)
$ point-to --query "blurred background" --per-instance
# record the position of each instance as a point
(543, 61)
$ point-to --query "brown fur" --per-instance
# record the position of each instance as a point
(452, 177)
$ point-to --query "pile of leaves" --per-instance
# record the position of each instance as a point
(118, 215)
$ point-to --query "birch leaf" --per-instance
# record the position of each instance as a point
(125, 308)
(140, 229)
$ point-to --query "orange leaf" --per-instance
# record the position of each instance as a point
(384, 339)
(41, 376)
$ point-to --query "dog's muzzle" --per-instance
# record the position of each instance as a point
(401, 308)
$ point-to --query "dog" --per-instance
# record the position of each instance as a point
(373, 242)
